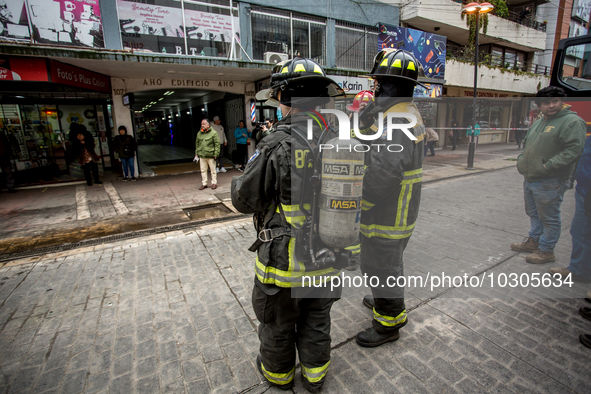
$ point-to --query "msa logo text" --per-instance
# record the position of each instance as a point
(345, 127)
(338, 169)
(343, 204)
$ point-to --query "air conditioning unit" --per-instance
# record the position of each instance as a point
(275, 57)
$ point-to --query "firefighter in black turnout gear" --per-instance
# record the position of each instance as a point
(391, 192)
(291, 315)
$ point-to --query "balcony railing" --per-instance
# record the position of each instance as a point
(528, 21)
(467, 55)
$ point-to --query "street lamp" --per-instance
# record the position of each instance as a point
(475, 8)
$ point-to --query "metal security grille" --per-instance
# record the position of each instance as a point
(276, 31)
(356, 45)
(234, 114)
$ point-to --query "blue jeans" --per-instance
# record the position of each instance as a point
(580, 229)
(127, 163)
(542, 205)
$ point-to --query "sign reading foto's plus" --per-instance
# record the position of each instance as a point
(428, 48)
(74, 76)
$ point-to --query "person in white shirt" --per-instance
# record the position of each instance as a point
(217, 126)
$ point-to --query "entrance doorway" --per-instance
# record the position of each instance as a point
(166, 124)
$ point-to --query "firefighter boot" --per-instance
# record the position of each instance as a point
(528, 245)
(372, 337)
(287, 386)
(368, 302)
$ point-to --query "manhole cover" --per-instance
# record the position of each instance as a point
(207, 211)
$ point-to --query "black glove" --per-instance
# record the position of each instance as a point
(587, 204)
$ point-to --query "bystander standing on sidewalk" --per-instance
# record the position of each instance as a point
(470, 132)
(207, 149)
(217, 126)
(5, 164)
(454, 134)
(125, 147)
(553, 146)
(432, 138)
(83, 148)
(580, 259)
(242, 139)
(520, 134)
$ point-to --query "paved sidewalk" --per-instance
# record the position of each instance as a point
(47, 216)
(172, 312)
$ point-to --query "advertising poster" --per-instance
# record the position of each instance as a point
(14, 23)
(209, 34)
(428, 48)
(433, 90)
(151, 27)
(67, 22)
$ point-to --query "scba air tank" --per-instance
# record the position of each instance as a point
(340, 193)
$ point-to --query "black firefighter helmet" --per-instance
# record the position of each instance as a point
(397, 63)
(302, 78)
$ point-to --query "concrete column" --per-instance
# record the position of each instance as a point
(110, 22)
(122, 114)
(245, 30)
(331, 43)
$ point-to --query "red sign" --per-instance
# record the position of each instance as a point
(22, 69)
(74, 76)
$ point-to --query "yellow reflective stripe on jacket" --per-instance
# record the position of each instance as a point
(314, 375)
(278, 378)
(413, 176)
(389, 321)
(408, 178)
(366, 205)
(390, 232)
(293, 276)
(293, 215)
(354, 248)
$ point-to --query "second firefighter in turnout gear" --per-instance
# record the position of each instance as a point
(391, 193)
(289, 319)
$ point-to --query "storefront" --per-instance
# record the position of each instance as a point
(41, 98)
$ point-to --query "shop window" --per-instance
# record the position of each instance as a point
(428, 110)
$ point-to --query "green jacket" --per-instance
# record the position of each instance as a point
(556, 144)
(207, 145)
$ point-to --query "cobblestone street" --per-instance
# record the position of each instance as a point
(172, 313)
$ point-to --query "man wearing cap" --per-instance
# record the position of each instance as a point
(217, 126)
(292, 315)
(391, 192)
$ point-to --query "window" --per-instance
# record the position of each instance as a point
(355, 46)
(288, 33)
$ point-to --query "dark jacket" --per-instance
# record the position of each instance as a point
(584, 172)
(78, 147)
(392, 183)
(552, 147)
(207, 144)
(265, 188)
(125, 146)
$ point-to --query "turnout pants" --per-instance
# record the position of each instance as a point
(288, 323)
(382, 258)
